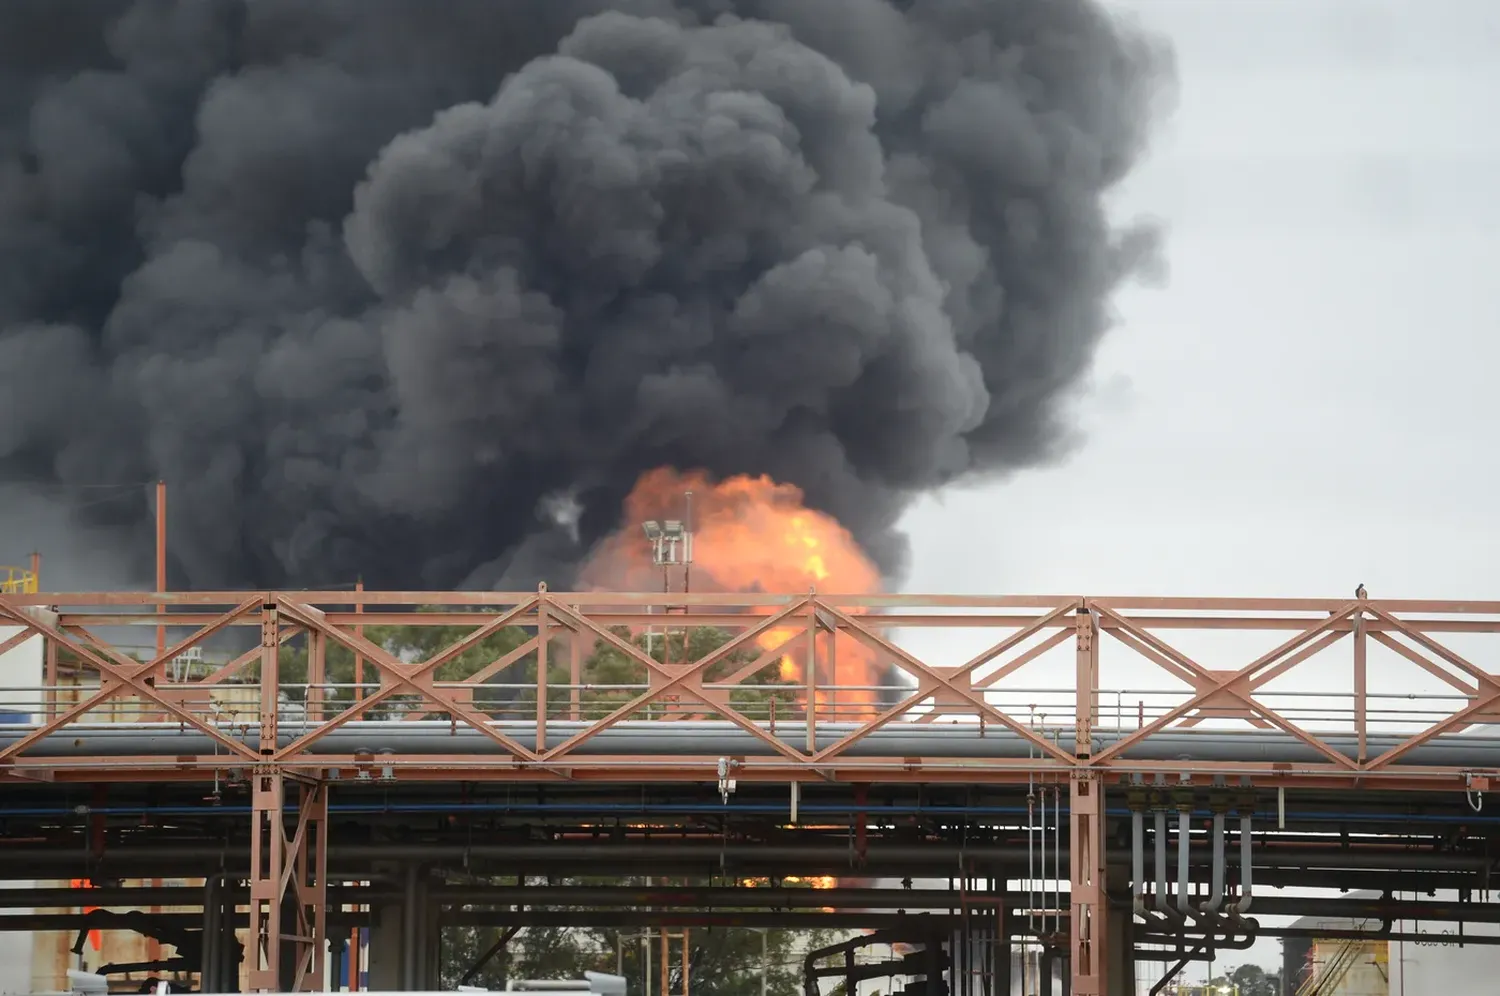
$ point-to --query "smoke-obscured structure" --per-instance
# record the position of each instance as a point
(380, 287)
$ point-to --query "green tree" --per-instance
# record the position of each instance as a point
(1251, 980)
(722, 961)
(610, 676)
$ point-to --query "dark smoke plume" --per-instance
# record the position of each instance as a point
(378, 285)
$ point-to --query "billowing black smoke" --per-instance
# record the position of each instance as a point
(377, 286)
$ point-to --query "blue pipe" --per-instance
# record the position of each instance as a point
(639, 809)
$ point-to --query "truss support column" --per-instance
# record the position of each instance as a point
(288, 902)
(1361, 698)
(542, 666)
(1088, 927)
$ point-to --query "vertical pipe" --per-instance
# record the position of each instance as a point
(36, 570)
(1246, 891)
(1161, 860)
(1138, 860)
(1216, 899)
(1184, 816)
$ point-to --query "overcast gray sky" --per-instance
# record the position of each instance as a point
(1310, 402)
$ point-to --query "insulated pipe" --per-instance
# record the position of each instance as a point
(1138, 862)
(1243, 906)
(1184, 907)
(719, 738)
(1216, 897)
(1161, 864)
(234, 855)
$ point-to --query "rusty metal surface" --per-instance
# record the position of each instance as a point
(777, 659)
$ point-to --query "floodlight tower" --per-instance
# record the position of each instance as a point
(672, 546)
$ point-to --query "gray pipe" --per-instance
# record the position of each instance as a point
(1246, 890)
(1138, 861)
(1161, 863)
(14, 860)
(1184, 907)
(1216, 897)
(718, 738)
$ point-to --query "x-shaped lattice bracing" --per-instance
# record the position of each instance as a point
(687, 678)
(405, 675)
(930, 681)
(120, 674)
(1214, 686)
(1486, 690)
(288, 867)
(477, 679)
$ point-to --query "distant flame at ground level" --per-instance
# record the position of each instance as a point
(751, 534)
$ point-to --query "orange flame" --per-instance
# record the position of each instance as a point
(95, 938)
(750, 534)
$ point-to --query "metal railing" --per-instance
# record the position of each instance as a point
(17, 581)
(834, 669)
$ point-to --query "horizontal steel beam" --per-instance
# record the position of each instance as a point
(534, 896)
(738, 898)
(790, 920)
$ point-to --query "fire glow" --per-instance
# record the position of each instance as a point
(753, 534)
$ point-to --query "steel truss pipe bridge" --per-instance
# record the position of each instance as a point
(1158, 756)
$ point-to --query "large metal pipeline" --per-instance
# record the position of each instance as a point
(1268, 856)
(719, 738)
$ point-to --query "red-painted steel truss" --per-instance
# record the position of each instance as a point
(739, 674)
(540, 677)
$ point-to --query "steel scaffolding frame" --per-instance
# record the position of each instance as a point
(759, 631)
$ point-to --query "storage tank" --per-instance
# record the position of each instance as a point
(1444, 964)
(1440, 963)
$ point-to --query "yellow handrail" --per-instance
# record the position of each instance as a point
(17, 581)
